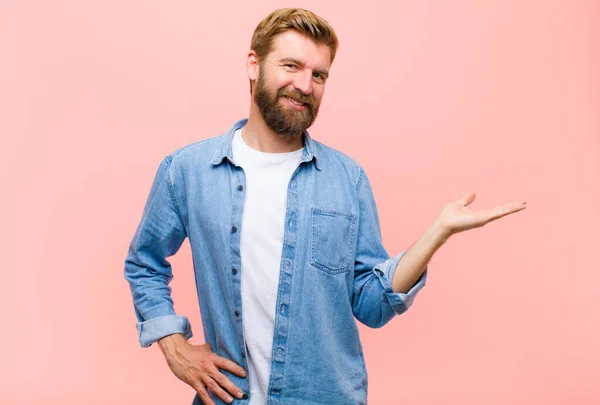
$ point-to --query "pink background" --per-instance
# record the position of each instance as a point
(434, 98)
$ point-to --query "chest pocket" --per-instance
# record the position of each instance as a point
(333, 236)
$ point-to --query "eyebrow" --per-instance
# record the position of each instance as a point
(322, 72)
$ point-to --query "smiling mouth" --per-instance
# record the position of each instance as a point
(296, 102)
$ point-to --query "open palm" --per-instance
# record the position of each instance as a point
(456, 217)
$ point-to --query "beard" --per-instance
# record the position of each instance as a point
(284, 120)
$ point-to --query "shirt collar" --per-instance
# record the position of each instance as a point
(223, 149)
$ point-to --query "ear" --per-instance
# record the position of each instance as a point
(252, 67)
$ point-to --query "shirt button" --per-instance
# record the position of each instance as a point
(236, 313)
(286, 264)
(240, 187)
(243, 355)
(283, 308)
(245, 396)
(234, 270)
(234, 229)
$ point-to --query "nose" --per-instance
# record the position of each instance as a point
(303, 81)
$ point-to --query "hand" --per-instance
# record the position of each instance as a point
(198, 366)
(456, 217)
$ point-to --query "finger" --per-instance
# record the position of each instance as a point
(467, 199)
(509, 209)
(227, 384)
(202, 393)
(226, 364)
(212, 385)
(499, 212)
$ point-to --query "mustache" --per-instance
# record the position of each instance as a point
(296, 95)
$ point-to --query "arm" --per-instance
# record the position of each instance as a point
(159, 235)
(454, 218)
(415, 260)
(374, 301)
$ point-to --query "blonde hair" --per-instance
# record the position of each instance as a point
(298, 19)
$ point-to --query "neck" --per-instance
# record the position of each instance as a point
(257, 134)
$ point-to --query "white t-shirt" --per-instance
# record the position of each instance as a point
(261, 240)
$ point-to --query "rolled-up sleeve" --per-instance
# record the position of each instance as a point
(374, 301)
(400, 302)
(159, 235)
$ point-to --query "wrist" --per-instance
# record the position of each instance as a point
(439, 232)
(169, 343)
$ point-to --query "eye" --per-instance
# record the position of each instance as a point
(319, 77)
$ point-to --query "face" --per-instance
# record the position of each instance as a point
(290, 82)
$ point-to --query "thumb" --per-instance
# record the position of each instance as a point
(467, 199)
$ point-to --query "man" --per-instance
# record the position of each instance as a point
(285, 241)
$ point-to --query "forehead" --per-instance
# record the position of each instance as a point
(291, 44)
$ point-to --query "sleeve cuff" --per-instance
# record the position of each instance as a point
(154, 329)
(400, 302)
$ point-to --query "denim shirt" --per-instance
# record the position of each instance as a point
(333, 268)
